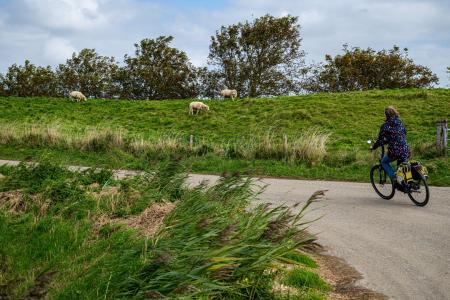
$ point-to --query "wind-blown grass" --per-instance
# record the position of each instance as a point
(65, 241)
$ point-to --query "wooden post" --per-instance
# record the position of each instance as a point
(442, 136)
(286, 145)
(191, 142)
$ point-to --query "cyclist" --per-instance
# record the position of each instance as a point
(393, 133)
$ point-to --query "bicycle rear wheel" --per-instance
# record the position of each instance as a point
(381, 182)
(418, 191)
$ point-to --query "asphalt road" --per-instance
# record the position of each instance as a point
(402, 251)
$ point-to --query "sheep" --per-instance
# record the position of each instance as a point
(77, 96)
(197, 106)
(228, 93)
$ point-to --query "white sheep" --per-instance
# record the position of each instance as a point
(228, 93)
(197, 106)
(77, 96)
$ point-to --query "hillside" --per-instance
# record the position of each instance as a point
(345, 121)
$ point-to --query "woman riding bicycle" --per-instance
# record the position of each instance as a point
(393, 133)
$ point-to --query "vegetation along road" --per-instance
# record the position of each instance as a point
(400, 249)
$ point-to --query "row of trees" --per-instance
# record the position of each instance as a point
(258, 58)
(157, 71)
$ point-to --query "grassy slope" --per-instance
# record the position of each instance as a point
(351, 118)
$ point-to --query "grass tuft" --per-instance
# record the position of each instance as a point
(300, 258)
(301, 278)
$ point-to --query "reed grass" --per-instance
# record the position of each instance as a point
(212, 245)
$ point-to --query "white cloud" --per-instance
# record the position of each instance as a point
(46, 31)
(68, 14)
(58, 49)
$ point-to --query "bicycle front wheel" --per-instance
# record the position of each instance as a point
(418, 191)
(381, 182)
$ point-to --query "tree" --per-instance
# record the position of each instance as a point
(448, 72)
(88, 73)
(258, 58)
(209, 82)
(28, 81)
(3, 87)
(363, 69)
(157, 71)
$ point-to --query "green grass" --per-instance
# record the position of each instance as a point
(211, 246)
(301, 258)
(350, 119)
(305, 280)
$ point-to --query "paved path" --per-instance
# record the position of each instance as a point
(402, 250)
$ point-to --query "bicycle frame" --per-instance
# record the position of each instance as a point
(382, 174)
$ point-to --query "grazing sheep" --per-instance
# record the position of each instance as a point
(77, 96)
(197, 106)
(228, 93)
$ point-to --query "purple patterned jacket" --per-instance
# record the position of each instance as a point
(393, 133)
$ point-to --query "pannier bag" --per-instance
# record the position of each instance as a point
(418, 169)
(404, 173)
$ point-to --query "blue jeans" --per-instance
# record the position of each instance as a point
(386, 163)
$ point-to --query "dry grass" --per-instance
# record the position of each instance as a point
(151, 219)
(16, 201)
(309, 146)
(12, 201)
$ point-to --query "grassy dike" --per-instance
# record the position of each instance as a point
(270, 137)
(86, 236)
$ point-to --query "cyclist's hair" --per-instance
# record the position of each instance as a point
(390, 112)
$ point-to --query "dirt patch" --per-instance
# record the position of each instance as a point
(343, 277)
(151, 219)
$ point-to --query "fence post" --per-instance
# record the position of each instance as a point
(191, 142)
(285, 145)
(442, 136)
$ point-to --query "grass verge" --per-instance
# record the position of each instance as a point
(83, 236)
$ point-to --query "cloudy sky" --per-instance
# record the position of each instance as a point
(48, 31)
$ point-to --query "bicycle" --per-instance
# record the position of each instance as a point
(385, 188)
